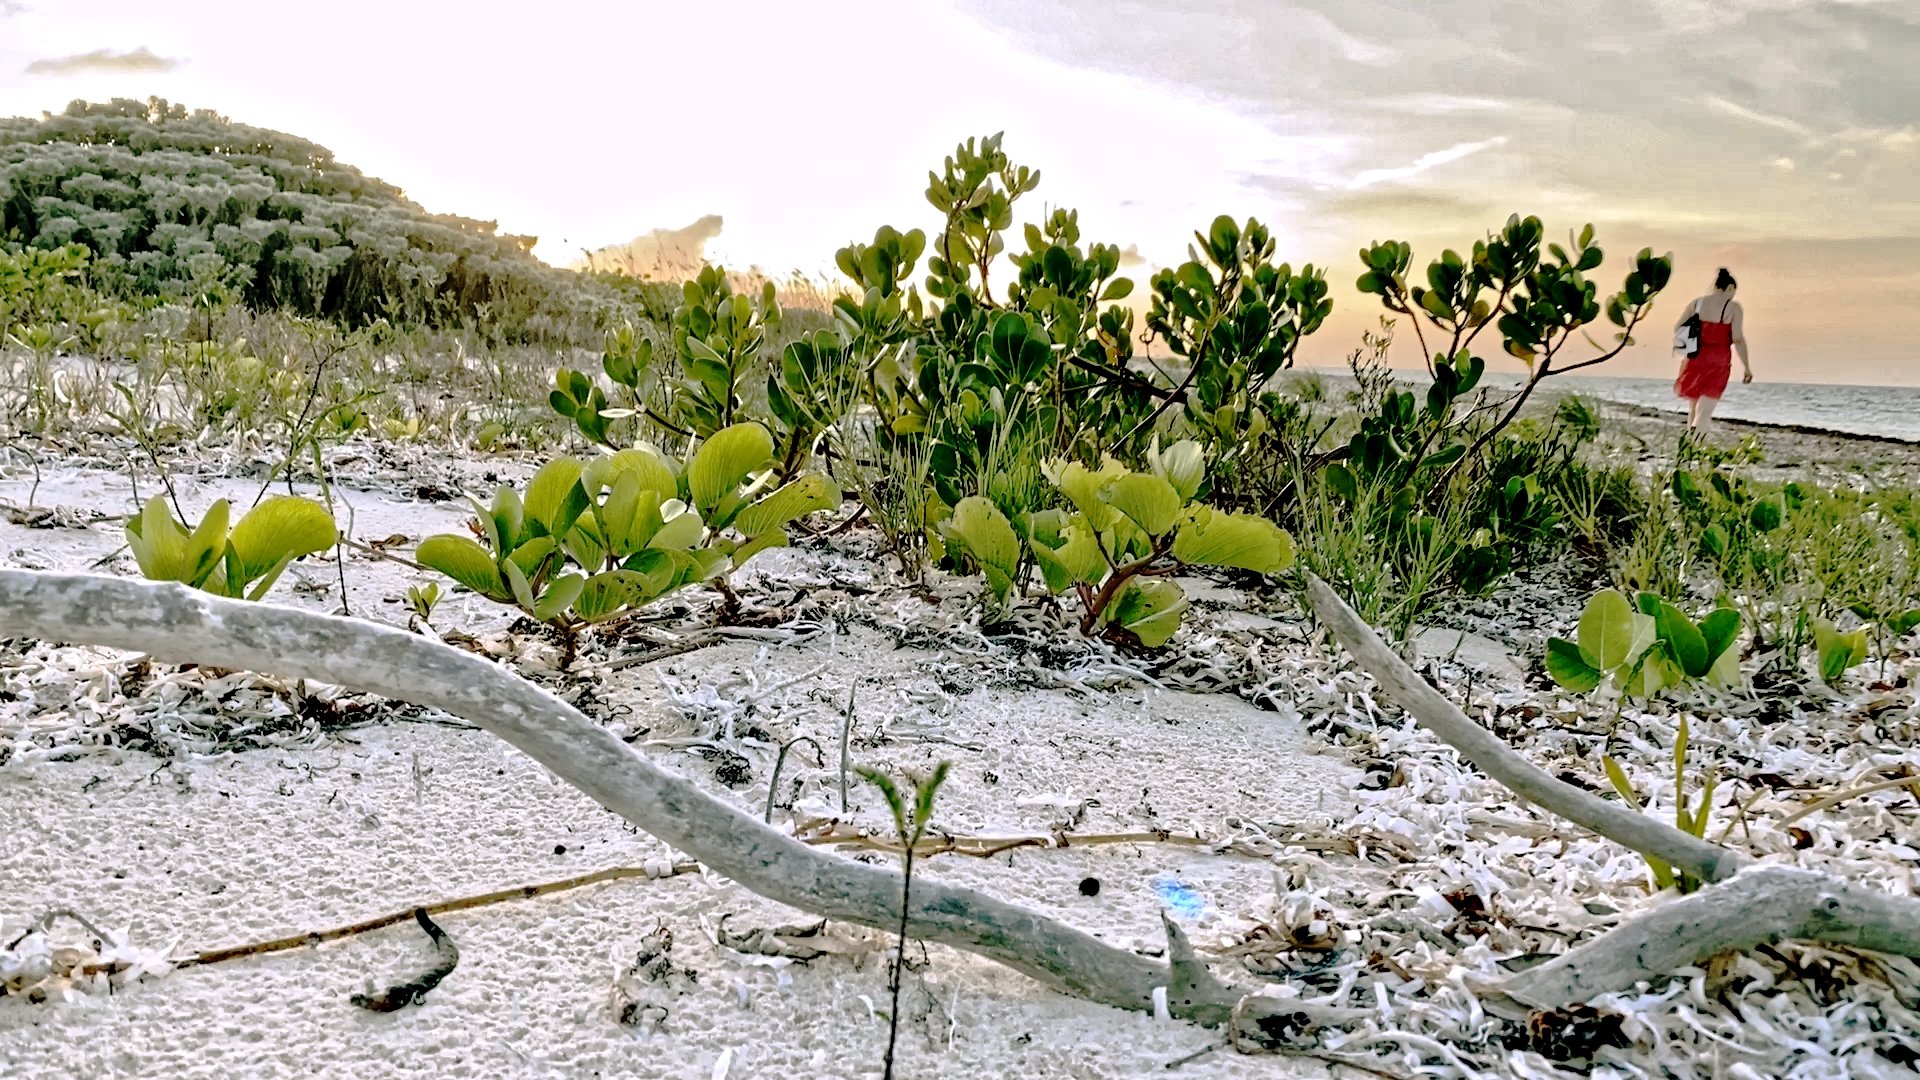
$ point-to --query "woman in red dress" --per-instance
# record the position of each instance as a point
(1703, 376)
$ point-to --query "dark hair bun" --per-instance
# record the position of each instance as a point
(1724, 280)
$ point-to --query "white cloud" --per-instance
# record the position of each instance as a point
(1752, 116)
(1426, 162)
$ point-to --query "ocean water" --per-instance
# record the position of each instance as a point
(1857, 410)
(1889, 411)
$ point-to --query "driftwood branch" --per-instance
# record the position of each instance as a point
(1491, 755)
(1759, 906)
(1753, 905)
(172, 622)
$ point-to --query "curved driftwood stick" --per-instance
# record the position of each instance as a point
(1759, 906)
(170, 621)
(1491, 755)
(1754, 905)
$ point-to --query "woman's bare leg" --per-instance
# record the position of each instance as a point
(1703, 413)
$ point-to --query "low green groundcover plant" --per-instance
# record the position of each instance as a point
(1646, 650)
(1127, 534)
(592, 540)
(244, 562)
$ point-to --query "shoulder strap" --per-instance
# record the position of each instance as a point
(1724, 308)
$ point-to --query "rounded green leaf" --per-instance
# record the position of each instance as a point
(554, 496)
(724, 460)
(605, 595)
(1087, 488)
(803, 496)
(1569, 667)
(1213, 538)
(653, 471)
(1719, 629)
(462, 560)
(1184, 465)
(1149, 501)
(275, 533)
(558, 597)
(1684, 640)
(678, 532)
(984, 532)
(1150, 610)
(1606, 630)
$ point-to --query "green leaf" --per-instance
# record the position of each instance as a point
(531, 557)
(1645, 633)
(983, 531)
(1150, 610)
(1184, 465)
(554, 497)
(1212, 538)
(805, 495)
(1606, 630)
(558, 597)
(1720, 629)
(724, 460)
(518, 586)
(605, 595)
(652, 471)
(1087, 488)
(1838, 651)
(586, 543)
(1688, 646)
(274, 534)
(1340, 480)
(1567, 663)
(464, 561)
(165, 550)
(680, 530)
(1149, 501)
(1618, 777)
(775, 537)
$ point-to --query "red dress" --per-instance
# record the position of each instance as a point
(1704, 375)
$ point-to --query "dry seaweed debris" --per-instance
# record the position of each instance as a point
(1417, 993)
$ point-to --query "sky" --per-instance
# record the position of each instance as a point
(1775, 137)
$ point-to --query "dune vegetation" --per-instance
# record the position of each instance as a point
(1009, 423)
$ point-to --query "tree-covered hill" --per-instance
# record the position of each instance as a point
(173, 203)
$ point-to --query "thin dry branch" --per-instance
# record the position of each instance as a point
(170, 621)
(498, 896)
(839, 834)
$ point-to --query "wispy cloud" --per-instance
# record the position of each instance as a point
(137, 61)
(1752, 116)
(1426, 161)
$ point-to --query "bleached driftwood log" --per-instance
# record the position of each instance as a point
(1752, 905)
(1491, 755)
(1758, 906)
(172, 622)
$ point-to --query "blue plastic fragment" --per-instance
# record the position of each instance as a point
(1178, 898)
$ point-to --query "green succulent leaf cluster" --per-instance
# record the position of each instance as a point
(1125, 533)
(1645, 646)
(1237, 317)
(243, 563)
(718, 335)
(591, 540)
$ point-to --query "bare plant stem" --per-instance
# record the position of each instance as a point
(899, 966)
